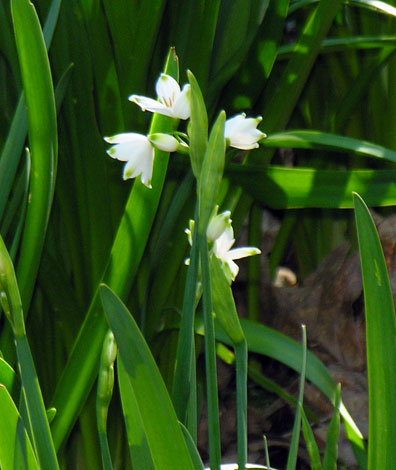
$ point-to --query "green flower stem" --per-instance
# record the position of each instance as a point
(105, 451)
(292, 457)
(241, 356)
(210, 358)
(184, 390)
(227, 317)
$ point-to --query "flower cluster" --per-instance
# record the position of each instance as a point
(220, 236)
(138, 150)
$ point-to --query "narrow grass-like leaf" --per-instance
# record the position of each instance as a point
(380, 342)
(165, 439)
(35, 406)
(342, 44)
(293, 188)
(375, 5)
(264, 340)
(16, 451)
(7, 375)
(137, 441)
(312, 447)
(309, 139)
(195, 457)
(17, 205)
(333, 433)
(293, 451)
(41, 114)
(51, 21)
(11, 151)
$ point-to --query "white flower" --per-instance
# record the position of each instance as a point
(173, 102)
(138, 152)
(221, 233)
(222, 250)
(242, 132)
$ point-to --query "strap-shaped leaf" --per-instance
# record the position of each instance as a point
(41, 114)
(294, 188)
(164, 436)
(16, 450)
(380, 342)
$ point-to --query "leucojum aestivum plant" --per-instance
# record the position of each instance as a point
(212, 266)
(321, 74)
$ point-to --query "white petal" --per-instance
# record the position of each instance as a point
(231, 269)
(121, 138)
(127, 145)
(148, 104)
(217, 225)
(141, 163)
(167, 89)
(233, 125)
(238, 253)
(223, 243)
(182, 107)
(164, 142)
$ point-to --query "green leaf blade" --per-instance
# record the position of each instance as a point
(312, 139)
(164, 436)
(42, 128)
(380, 340)
(16, 450)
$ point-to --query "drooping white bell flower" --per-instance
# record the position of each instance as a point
(242, 133)
(137, 151)
(222, 250)
(173, 101)
(221, 233)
